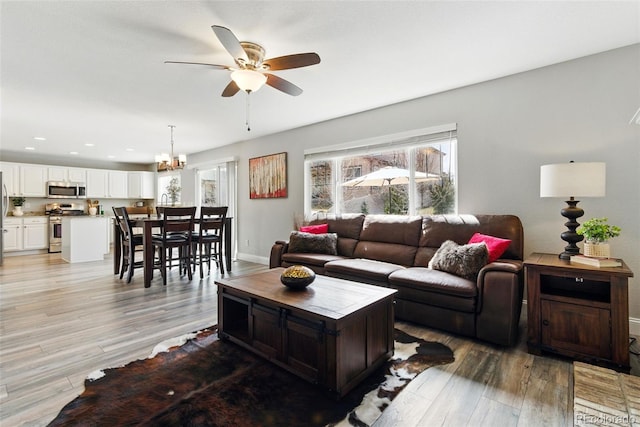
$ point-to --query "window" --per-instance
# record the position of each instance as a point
(414, 174)
(167, 183)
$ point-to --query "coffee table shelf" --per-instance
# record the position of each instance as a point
(334, 333)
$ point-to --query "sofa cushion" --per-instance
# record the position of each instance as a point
(386, 252)
(436, 288)
(462, 260)
(400, 229)
(344, 225)
(320, 260)
(495, 245)
(313, 243)
(315, 229)
(375, 271)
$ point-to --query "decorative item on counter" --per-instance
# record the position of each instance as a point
(597, 233)
(17, 205)
(297, 277)
(173, 189)
(93, 206)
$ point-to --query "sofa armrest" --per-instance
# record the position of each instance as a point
(500, 288)
(279, 247)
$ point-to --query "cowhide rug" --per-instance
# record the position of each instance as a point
(208, 382)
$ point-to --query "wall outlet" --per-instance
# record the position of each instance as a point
(27, 205)
(247, 242)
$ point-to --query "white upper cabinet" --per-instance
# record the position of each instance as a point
(97, 183)
(33, 180)
(61, 173)
(141, 185)
(11, 178)
(118, 188)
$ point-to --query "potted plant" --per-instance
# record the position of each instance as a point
(17, 205)
(597, 233)
(173, 189)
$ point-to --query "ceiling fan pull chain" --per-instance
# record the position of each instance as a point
(247, 121)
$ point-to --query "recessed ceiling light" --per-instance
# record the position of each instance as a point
(129, 149)
(111, 156)
(39, 138)
(73, 152)
(88, 144)
(29, 148)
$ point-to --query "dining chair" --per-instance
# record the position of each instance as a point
(130, 243)
(177, 229)
(207, 242)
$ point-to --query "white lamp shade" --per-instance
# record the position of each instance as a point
(182, 158)
(573, 180)
(248, 80)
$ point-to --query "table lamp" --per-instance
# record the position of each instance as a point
(572, 180)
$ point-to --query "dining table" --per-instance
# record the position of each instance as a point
(147, 225)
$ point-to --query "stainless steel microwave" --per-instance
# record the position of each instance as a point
(66, 190)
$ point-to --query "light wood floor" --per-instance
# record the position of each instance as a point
(59, 322)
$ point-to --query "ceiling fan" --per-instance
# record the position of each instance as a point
(251, 70)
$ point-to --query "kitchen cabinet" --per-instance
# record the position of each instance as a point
(11, 178)
(118, 185)
(578, 311)
(97, 183)
(35, 233)
(141, 185)
(28, 233)
(107, 184)
(12, 233)
(33, 180)
(61, 173)
(24, 180)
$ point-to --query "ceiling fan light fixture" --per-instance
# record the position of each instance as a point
(248, 80)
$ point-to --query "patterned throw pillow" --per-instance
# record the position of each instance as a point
(300, 242)
(462, 260)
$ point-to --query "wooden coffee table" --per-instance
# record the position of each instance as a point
(334, 333)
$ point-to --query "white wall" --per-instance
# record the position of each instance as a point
(507, 128)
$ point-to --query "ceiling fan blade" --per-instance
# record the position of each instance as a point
(283, 85)
(231, 89)
(230, 43)
(220, 67)
(292, 61)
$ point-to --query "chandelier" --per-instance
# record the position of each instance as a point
(169, 162)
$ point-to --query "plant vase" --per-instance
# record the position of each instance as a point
(17, 211)
(597, 249)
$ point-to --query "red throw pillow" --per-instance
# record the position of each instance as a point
(315, 229)
(495, 245)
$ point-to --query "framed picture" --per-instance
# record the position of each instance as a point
(268, 176)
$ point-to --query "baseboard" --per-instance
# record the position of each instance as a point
(253, 258)
(634, 326)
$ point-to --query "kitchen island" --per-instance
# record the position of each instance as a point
(84, 238)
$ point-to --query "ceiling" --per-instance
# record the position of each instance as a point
(93, 72)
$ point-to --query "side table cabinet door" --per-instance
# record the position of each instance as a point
(267, 333)
(305, 347)
(576, 328)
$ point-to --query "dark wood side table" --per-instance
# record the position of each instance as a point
(578, 311)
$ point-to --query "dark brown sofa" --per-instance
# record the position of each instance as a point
(394, 251)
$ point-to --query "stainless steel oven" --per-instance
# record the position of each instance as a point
(55, 234)
(56, 211)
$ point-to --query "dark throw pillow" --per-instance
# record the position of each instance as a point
(462, 260)
(300, 242)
